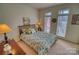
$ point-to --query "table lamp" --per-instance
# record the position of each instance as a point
(38, 25)
(4, 28)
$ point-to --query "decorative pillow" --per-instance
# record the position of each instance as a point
(33, 30)
(28, 31)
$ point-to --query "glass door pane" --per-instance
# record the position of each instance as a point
(47, 24)
(61, 26)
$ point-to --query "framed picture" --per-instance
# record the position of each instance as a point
(26, 21)
(75, 19)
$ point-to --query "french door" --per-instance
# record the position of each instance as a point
(47, 24)
(62, 22)
(62, 25)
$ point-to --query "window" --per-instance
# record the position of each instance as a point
(63, 11)
(62, 22)
(47, 22)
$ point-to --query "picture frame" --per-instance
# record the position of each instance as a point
(26, 21)
(75, 19)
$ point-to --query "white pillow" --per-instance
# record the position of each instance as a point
(33, 30)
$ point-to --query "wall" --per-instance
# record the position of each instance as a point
(73, 30)
(1, 21)
(13, 14)
(72, 33)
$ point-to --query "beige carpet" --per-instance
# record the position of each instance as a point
(26, 48)
(61, 47)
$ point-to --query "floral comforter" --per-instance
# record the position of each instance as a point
(39, 41)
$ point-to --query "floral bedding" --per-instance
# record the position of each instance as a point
(39, 41)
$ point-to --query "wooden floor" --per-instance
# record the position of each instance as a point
(61, 47)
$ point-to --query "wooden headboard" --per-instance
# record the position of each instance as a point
(25, 27)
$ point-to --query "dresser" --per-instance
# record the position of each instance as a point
(15, 48)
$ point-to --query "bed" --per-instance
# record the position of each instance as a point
(40, 41)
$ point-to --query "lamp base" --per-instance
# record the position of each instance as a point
(5, 38)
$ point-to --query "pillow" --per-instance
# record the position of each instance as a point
(33, 30)
(26, 30)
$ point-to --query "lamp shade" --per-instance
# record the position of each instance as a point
(4, 28)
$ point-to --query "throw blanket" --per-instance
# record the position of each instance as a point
(39, 41)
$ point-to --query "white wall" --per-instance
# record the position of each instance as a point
(72, 33)
(13, 14)
(73, 30)
(1, 21)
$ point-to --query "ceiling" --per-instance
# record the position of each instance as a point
(42, 5)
